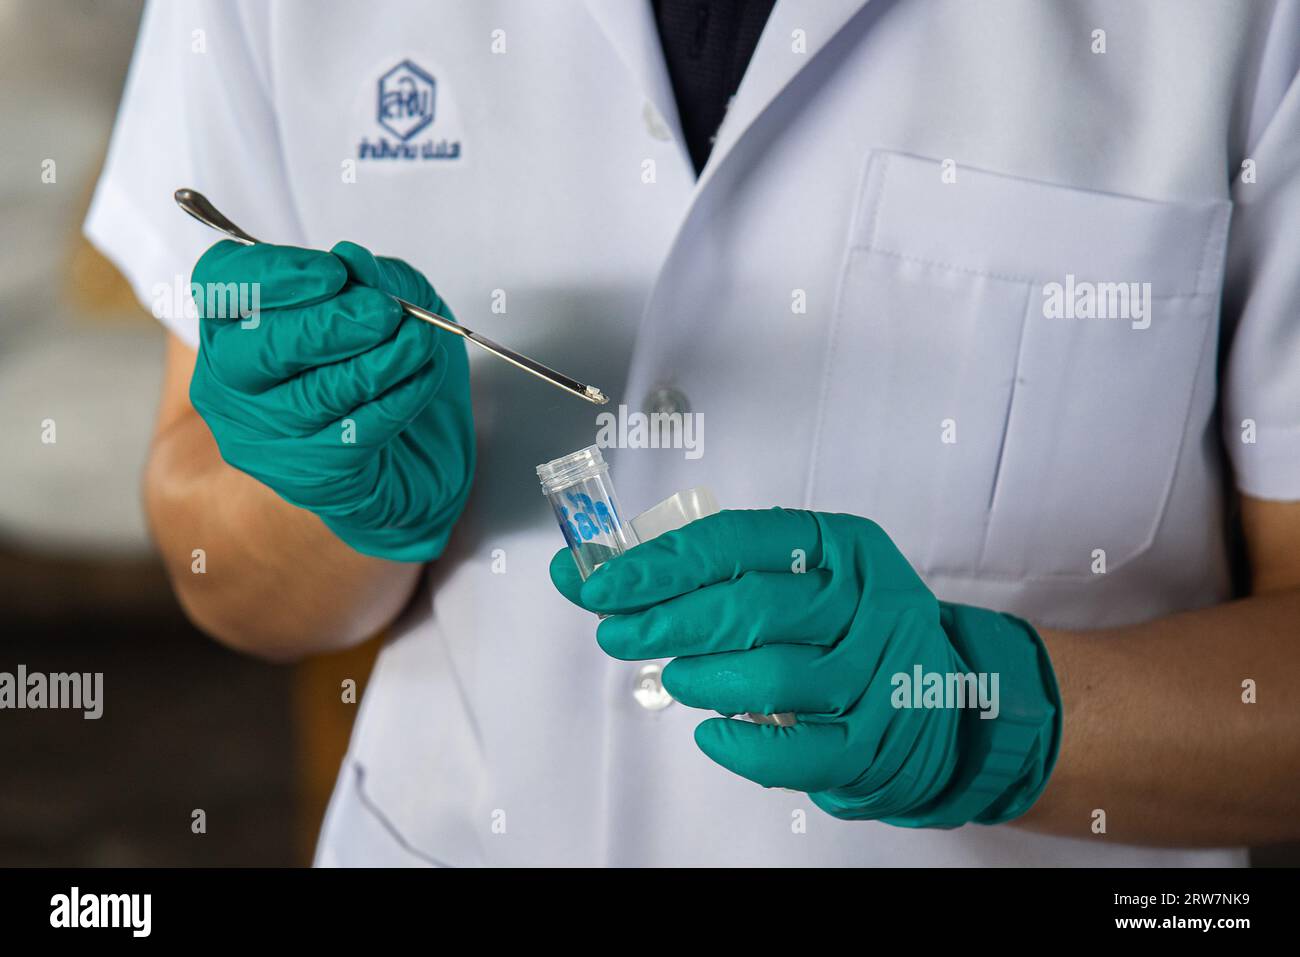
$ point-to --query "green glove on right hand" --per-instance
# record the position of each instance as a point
(820, 614)
(334, 398)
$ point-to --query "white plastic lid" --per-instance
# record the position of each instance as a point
(674, 512)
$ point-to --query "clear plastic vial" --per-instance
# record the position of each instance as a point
(582, 496)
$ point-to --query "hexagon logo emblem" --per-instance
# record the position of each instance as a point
(406, 99)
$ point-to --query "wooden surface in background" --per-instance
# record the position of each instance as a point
(323, 724)
(94, 285)
(98, 290)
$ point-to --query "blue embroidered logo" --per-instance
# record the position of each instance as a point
(406, 100)
(405, 106)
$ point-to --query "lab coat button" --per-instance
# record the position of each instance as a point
(666, 399)
(654, 123)
(649, 690)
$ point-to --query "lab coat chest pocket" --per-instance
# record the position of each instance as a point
(1011, 367)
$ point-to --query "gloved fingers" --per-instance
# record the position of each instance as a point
(766, 680)
(393, 276)
(904, 757)
(264, 276)
(804, 756)
(324, 394)
(713, 549)
(564, 575)
(757, 608)
(377, 422)
(288, 341)
(564, 570)
(361, 264)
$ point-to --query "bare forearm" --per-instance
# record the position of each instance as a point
(1157, 734)
(275, 581)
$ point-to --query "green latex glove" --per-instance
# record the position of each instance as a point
(333, 397)
(816, 613)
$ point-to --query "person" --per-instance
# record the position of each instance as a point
(990, 311)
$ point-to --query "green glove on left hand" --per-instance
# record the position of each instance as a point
(820, 614)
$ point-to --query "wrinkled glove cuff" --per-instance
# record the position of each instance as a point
(1004, 762)
(394, 544)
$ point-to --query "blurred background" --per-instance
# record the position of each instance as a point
(186, 724)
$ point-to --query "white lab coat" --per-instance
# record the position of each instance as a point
(493, 730)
